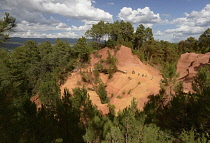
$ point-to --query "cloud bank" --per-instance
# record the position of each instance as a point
(144, 16)
(34, 16)
(78, 9)
(193, 24)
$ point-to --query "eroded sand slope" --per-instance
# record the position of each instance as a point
(121, 88)
(188, 66)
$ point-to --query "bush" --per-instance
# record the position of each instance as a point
(119, 97)
(96, 55)
(140, 54)
(110, 43)
(129, 92)
(107, 66)
(111, 61)
(86, 77)
(101, 91)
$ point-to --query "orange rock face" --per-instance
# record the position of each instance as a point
(121, 88)
(188, 66)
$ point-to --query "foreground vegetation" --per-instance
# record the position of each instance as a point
(34, 69)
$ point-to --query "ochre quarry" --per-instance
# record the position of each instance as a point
(133, 79)
(188, 66)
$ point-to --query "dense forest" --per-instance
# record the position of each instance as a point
(39, 69)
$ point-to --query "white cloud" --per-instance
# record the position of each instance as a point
(186, 30)
(81, 28)
(158, 33)
(62, 25)
(193, 24)
(78, 9)
(145, 16)
(33, 16)
(26, 28)
(30, 34)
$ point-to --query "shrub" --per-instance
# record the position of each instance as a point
(112, 95)
(101, 91)
(91, 89)
(86, 77)
(111, 61)
(123, 92)
(110, 43)
(96, 55)
(119, 97)
(117, 48)
(129, 92)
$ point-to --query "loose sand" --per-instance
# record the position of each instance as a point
(121, 88)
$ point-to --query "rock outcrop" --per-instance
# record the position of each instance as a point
(188, 66)
(121, 88)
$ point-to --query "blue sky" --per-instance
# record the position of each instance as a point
(171, 20)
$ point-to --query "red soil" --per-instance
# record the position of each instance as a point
(122, 88)
(188, 66)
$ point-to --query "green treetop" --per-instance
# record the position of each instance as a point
(7, 25)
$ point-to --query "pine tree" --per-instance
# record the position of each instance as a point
(7, 25)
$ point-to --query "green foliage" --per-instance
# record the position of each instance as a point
(189, 45)
(201, 82)
(111, 43)
(49, 90)
(94, 131)
(112, 112)
(82, 101)
(37, 126)
(140, 37)
(40, 70)
(82, 50)
(114, 134)
(200, 45)
(201, 85)
(108, 66)
(191, 137)
(68, 117)
(112, 62)
(152, 51)
(169, 73)
(96, 72)
(116, 33)
(129, 92)
(183, 111)
(97, 31)
(86, 77)
(101, 91)
(204, 42)
(123, 92)
(119, 97)
(7, 24)
(158, 136)
(142, 41)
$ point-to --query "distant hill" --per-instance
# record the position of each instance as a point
(15, 42)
